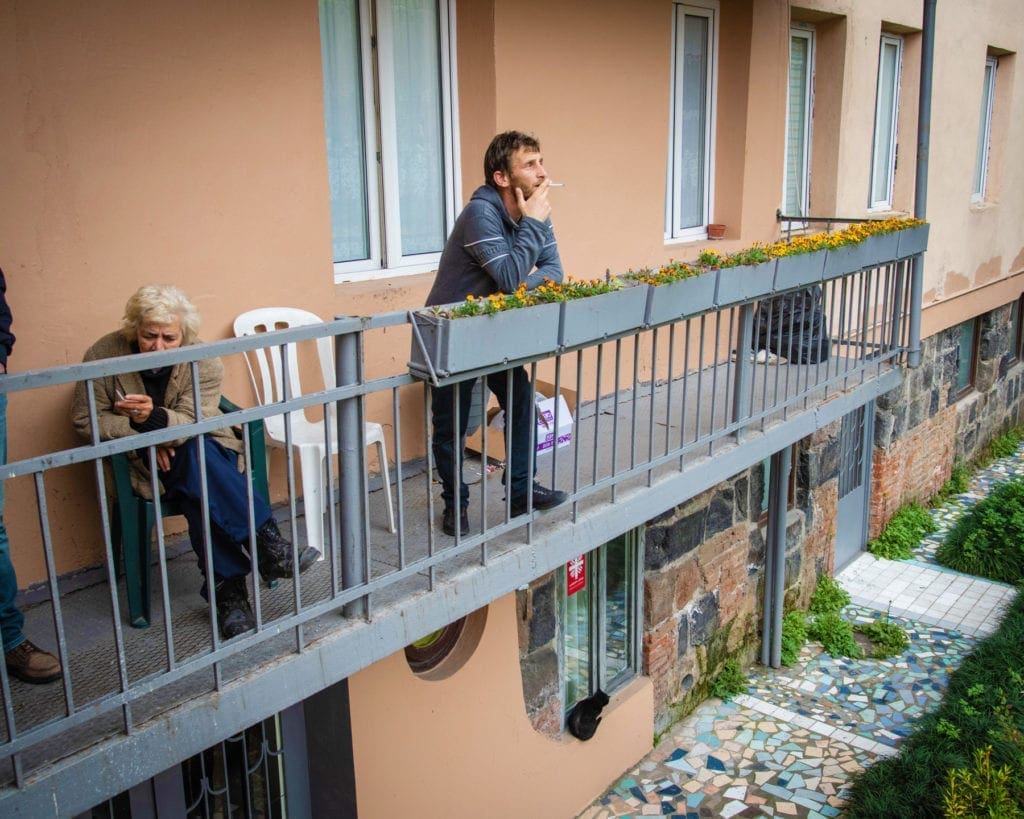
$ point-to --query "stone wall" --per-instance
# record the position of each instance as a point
(923, 427)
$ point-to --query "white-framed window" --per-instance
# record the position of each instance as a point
(391, 126)
(689, 198)
(887, 99)
(799, 109)
(984, 131)
(601, 617)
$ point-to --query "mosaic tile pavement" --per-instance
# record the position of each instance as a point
(790, 744)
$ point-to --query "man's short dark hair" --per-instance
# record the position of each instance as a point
(502, 148)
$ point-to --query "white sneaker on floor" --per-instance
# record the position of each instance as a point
(768, 357)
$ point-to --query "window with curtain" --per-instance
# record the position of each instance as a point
(690, 173)
(883, 152)
(600, 620)
(391, 132)
(799, 104)
(984, 131)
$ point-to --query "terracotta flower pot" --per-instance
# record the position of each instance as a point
(716, 231)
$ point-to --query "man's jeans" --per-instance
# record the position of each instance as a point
(11, 618)
(449, 463)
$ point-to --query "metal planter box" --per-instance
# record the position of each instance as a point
(881, 248)
(442, 347)
(744, 283)
(686, 297)
(846, 259)
(800, 270)
(595, 318)
(912, 241)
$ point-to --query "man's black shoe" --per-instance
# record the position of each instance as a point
(234, 614)
(448, 522)
(275, 553)
(543, 498)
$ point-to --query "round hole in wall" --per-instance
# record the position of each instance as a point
(441, 653)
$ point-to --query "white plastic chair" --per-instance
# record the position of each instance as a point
(306, 436)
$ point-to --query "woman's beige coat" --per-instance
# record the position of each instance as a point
(177, 401)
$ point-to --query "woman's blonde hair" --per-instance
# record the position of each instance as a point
(160, 304)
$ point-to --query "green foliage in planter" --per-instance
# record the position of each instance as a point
(828, 596)
(981, 790)
(729, 682)
(904, 531)
(794, 635)
(988, 540)
(836, 635)
(887, 638)
(983, 708)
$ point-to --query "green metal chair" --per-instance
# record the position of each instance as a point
(135, 516)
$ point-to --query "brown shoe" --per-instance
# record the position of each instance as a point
(31, 664)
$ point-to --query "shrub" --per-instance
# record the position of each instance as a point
(794, 635)
(828, 596)
(887, 638)
(983, 708)
(981, 790)
(836, 635)
(959, 480)
(729, 682)
(1006, 444)
(905, 530)
(988, 540)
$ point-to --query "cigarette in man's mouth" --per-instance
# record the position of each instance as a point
(556, 184)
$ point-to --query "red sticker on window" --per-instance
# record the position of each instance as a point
(575, 575)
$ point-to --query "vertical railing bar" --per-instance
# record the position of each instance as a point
(557, 419)
(330, 501)
(531, 459)
(767, 331)
(286, 395)
(458, 452)
(790, 371)
(616, 393)
(485, 400)
(251, 520)
(597, 410)
(509, 431)
(778, 395)
(577, 437)
(652, 405)
(204, 503)
(161, 551)
(669, 382)
(634, 402)
(396, 447)
(428, 473)
(714, 381)
(732, 389)
(700, 376)
(686, 392)
(51, 579)
(834, 293)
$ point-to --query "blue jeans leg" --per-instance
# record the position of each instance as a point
(519, 407)
(447, 457)
(227, 492)
(11, 618)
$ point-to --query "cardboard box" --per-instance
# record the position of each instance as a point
(546, 435)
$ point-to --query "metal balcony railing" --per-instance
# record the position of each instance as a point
(651, 404)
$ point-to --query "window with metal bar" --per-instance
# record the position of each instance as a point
(966, 356)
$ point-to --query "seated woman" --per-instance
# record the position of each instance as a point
(161, 317)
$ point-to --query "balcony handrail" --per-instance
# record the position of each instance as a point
(689, 362)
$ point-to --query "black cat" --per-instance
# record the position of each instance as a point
(585, 715)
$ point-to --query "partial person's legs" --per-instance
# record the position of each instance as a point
(520, 407)
(24, 660)
(448, 456)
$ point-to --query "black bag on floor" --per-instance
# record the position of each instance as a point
(793, 326)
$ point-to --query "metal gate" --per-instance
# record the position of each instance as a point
(854, 483)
